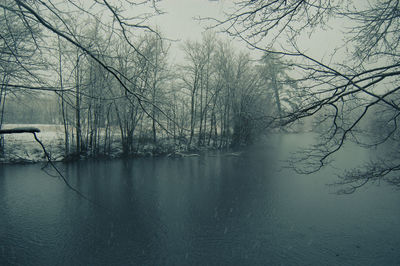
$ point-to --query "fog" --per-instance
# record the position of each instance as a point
(199, 132)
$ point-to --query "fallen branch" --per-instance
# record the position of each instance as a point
(32, 130)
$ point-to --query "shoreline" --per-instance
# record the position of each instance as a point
(24, 149)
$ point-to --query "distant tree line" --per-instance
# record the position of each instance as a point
(112, 85)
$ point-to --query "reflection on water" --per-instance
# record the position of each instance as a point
(209, 210)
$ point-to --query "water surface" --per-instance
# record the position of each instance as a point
(208, 210)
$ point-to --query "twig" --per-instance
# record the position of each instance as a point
(62, 176)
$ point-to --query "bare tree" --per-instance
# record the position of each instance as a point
(343, 94)
(222, 90)
(79, 85)
(56, 20)
(19, 60)
(192, 80)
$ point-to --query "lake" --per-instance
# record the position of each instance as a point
(213, 209)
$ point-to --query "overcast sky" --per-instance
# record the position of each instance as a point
(179, 23)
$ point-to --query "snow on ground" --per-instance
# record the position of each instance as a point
(24, 148)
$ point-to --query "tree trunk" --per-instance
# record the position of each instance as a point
(78, 110)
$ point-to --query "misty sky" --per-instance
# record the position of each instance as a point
(180, 21)
(179, 24)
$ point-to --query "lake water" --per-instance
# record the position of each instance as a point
(208, 210)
